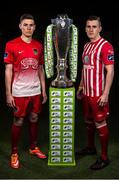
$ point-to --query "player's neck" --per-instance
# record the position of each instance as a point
(95, 39)
(26, 39)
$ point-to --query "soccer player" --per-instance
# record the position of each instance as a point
(96, 80)
(25, 85)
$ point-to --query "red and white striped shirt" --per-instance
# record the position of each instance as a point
(95, 56)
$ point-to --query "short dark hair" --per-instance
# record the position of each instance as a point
(26, 16)
(91, 18)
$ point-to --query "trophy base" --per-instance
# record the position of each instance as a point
(61, 127)
(62, 84)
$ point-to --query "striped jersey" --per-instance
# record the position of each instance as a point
(95, 56)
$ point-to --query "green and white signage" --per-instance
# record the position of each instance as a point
(61, 131)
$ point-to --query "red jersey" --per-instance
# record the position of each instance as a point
(94, 57)
(26, 59)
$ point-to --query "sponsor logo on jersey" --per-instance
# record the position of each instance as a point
(111, 57)
(29, 63)
(88, 66)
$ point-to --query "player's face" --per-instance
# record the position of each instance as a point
(27, 27)
(93, 29)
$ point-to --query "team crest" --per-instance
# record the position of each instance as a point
(86, 59)
(35, 51)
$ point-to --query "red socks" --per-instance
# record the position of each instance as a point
(104, 137)
(16, 132)
(91, 134)
(33, 131)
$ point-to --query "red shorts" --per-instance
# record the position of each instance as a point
(25, 105)
(93, 111)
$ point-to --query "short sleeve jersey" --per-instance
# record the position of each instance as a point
(95, 56)
(26, 59)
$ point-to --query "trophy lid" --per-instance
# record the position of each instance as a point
(62, 19)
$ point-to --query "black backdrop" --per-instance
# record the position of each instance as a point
(44, 11)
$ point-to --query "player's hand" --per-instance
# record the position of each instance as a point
(44, 95)
(80, 93)
(10, 101)
(103, 100)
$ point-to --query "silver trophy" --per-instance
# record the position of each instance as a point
(61, 36)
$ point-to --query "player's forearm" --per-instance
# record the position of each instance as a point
(43, 87)
(81, 81)
(42, 80)
(109, 80)
(8, 81)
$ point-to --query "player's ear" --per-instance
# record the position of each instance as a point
(20, 26)
(34, 26)
(100, 28)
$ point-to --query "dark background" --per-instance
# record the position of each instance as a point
(44, 11)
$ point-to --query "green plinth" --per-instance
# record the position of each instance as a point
(61, 126)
